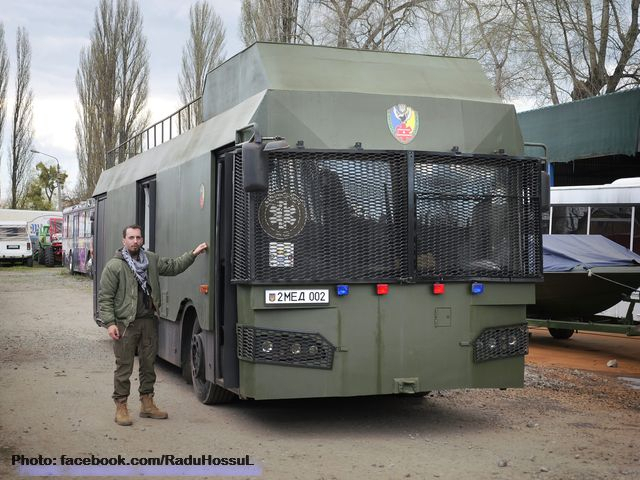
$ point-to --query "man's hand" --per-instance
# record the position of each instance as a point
(200, 248)
(113, 332)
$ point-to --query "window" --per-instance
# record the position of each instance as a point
(146, 210)
(570, 219)
(613, 223)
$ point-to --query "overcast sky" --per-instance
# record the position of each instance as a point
(58, 29)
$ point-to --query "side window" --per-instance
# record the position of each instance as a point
(87, 224)
(612, 222)
(570, 219)
(75, 225)
(146, 210)
(636, 229)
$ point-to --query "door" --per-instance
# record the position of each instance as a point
(100, 255)
(226, 365)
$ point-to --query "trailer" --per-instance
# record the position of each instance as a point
(604, 298)
(374, 227)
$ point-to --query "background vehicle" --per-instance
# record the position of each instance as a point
(50, 242)
(590, 301)
(384, 238)
(15, 244)
(34, 218)
(77, 237)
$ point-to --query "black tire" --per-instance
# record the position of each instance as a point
(41, 256)
(561, 333)
(29, 262)
(49, 258)
(207, 392)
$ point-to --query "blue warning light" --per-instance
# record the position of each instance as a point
(342, 290)
(477, 288)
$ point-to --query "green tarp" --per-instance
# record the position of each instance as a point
(595, 127)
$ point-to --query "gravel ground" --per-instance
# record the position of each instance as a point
(56, 380)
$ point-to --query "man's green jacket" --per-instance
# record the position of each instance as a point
(118, 295)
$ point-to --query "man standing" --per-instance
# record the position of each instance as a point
(128, 302)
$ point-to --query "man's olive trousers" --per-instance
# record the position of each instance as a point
(141, 333)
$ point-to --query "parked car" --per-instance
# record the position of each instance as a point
(15, 244)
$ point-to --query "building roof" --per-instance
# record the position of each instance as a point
(596, 127)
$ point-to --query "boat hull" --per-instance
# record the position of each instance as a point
(575, 294)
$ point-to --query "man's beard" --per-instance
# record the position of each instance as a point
(133, 251)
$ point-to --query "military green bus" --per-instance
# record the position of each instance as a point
(374, 226)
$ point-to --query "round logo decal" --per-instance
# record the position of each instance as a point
(282, 215)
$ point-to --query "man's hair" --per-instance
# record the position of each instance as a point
(133, 227)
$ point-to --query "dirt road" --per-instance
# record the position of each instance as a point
(587, 351)
(56, 380)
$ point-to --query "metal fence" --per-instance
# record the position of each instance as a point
(175, 124)
(363, 216)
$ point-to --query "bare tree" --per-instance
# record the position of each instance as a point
(203, 52)
(112, 84)
(582, 48)
(282, 21)
(4, 81)
(22, 132)
(132, 73)
(368, 24)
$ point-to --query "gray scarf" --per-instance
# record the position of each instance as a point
(139, 268)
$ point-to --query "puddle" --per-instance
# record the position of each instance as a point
(631, 382)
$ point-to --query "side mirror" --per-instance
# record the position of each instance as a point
(255, 167)
(545, 192)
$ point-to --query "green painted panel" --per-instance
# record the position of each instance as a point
(474, 127)
(595, 127)
(381, 340)
(265, 66)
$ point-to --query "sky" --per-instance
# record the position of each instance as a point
(58, 30)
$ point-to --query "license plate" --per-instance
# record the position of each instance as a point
(288, 297)
(13, 247)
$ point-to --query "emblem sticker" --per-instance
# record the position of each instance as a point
(280, 254)
(282, 215)
(403, 122)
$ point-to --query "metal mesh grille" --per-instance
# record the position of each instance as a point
(348, 216)
(281, 347)
(477, 217)
(503, 342)
(326, 216)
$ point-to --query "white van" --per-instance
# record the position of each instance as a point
(15, 244)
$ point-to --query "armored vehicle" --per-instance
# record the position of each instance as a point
(374, 227)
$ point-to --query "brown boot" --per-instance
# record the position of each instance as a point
(148, 409)
(122, 413)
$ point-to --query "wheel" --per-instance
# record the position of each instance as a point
(561, 333)
(207, 392)
(49, 259)
(41, 256)
(29, 262)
